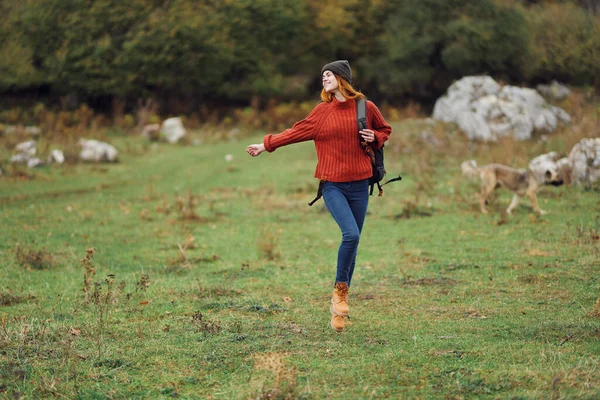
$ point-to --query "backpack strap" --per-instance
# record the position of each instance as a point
(319, 193)
(361, 119)
(361, 113)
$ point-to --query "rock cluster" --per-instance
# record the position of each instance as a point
(486, 111)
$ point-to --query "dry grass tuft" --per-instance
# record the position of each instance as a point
(267, 243)
(411, 209)
(284, 381)
(34, 259)
(596, 310)
(89, 273)
(9, 299)
(205, 326)
(428, 281)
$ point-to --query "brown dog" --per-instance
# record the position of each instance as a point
(522, 182)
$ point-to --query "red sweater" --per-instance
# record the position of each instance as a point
(334, 129)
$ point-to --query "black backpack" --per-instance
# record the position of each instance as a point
(376, 155)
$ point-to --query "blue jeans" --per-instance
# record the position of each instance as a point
(347, 202)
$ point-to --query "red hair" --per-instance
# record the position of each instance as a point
(346, 90)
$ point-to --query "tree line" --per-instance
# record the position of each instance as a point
(195, 52)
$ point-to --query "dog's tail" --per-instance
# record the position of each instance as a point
(470, 169)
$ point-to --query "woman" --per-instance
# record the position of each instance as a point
(343, 166)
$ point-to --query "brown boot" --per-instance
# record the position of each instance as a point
(337, 322)
(339, 300)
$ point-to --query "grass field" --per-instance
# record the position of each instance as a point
(211, 279)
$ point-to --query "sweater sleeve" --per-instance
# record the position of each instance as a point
(378, 124)
(302, 131)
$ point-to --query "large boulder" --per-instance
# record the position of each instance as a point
(96, 151)
(486, 111)
(461, 94)
(584, 161)
(172, 129)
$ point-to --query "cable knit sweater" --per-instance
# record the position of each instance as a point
(333, 128)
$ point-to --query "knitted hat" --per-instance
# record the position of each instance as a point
(339, 67)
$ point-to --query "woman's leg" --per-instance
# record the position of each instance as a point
(339, 208)
(358, 199)
(347, 202)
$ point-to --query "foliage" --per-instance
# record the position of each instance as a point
(566, 44)
(192, 53)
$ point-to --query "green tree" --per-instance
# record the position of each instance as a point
(16, 57)
(566, 44)
(428, 43)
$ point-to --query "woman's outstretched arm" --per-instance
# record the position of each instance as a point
(303, 130)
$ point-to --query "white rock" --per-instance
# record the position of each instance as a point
(96, 151)
(474, 125)
(20, 158)
(33, 130)
(56, 157)
(172, 129)
(485, 111)
(542, 115)
(555, 90)
(584, 160)
(27, 148)
(561, 114)
(460, 95)
(34, 162)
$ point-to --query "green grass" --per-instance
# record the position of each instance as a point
(222, 278)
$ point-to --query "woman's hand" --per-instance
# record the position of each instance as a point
(368, 135)
(255, 149)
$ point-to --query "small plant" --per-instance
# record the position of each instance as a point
(88, 274)
(208, 327)
(284, 382)
(268, 241)
(102, 301)
(34, 259)
(183, 261)
(596, 310)
(143, 283)
(588, 235)
(8, 299)
(185, 207)
(145, 112)
(411, 209)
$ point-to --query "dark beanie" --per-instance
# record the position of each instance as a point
(339, 67)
